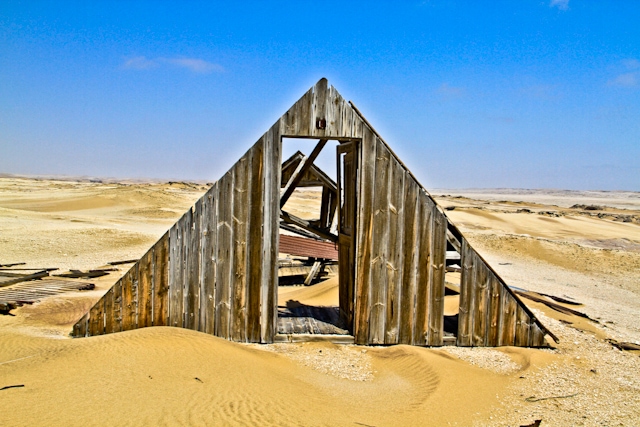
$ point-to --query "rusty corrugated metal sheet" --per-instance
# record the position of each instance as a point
(301, 246)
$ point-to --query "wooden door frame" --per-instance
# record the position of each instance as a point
(348, 313)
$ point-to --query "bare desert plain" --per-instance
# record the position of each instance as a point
(581, 246)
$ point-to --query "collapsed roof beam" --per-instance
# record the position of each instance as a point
(297, 175)
(292, 219)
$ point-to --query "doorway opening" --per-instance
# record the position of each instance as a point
(453, 281)
(318, 199)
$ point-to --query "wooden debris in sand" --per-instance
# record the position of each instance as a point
(7, 279)
(91, 274)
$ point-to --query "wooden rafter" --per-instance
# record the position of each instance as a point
(297, 175)
(292, 219)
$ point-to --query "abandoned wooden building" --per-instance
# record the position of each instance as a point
(216, 270)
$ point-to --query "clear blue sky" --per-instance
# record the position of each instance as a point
(521, 94)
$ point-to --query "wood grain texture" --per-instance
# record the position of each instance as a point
(271, 236)
(379, 242)
(161, 281)
(108, 311)
(508, 330)
(423, 276)
(410, 261)
(364, 236)
(480, 306)
(522, 328)
(436, 296)
(209, 259)
(175, 274)
(465, 313)
(80, 328)
(145, 290)
(96, 319)
(395, 254)
(130, 299)
(240, 226)
(495, 294)
(254, 242)
(224, 259)
(192, 269)
(215, 270)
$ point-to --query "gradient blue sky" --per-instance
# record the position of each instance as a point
(520, 94)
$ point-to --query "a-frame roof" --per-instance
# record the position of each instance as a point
(215, 270)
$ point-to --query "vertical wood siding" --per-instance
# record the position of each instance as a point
(215, 270)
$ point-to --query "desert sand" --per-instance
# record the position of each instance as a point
(578, 245)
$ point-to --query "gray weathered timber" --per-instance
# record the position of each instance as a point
(271, 234)
(224, 258)
(436, 296)
(379, 242)
(364, 236)
(192, 270)
(394, 252)
(423, 288)
(465, 313)
(129, 299)
(240, 219)
(96, 319)
(144, 310)
(409, 263)
(161, 281)
(254, 245)
(209, 263)
(216, 269)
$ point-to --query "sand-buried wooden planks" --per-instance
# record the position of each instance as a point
(216, 270)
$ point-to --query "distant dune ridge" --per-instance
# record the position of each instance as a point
(170, 376)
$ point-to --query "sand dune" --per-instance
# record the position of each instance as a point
(168, 376)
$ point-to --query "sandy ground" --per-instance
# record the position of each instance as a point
(167, 376)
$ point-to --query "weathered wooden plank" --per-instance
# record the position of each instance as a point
(423, 276)
(145, 291)
(465, 313)
(96, 319)
(187, 223)
(210, 260)
(240, 230)
(409, 260)
(175, 274)
(161, 281)
(298, 120)
(117, 306)
(495, 295)
(522, 328)
(438, 264)
(81, 326)
(130, 298)
(269, 282)
(363, 238)
(481, 301)
(347, 166)
(108, 311)
(305, 119)
(394, 251)
(379, 241)
(319, 107)
(508, 316)
(536, 336)
(254, 245)
(192, 269)
(224, 258)
(304, 224)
